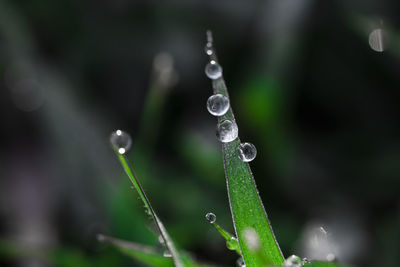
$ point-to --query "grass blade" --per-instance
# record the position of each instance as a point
(247, 210)
(163, 232)
(144, 254)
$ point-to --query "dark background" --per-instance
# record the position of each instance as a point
(320, 105)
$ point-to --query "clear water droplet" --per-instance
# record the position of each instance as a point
(210, 217)
(240, 262)
(217, 104)
(121, 141)
(167, 254)
(247, 152)
(330, 257)
(232, 244)
(213, 70)
(209, 49)
(161, 239)
(293, 261)
(378, 40)
(227, 131)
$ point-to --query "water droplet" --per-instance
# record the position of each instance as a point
(240, 262)
(247, 152)
(378, 40)
(293, 261)
(210, 217)
(330, 257)
(167, 254)
(227, 131)
(217, 104)
(213, 70)
(209, 49)
(161, 239)
(121, 141)
(232, 244)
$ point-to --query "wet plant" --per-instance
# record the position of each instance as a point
(253, 240)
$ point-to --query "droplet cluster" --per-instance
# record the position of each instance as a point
(219, 104)
(120, 141)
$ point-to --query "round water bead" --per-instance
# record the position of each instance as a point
(378, 40)
(167, 254)
(213, 70)
(210, 217)
(121, 141)
(209, 49)
(293, 261)
(232, 244)
(227, 131)
(240, 262)
(217, 104)
(247, 152)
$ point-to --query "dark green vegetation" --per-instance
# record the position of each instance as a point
(318, 103)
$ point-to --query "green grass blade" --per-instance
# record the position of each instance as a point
(247, 210)
(168, 241)
(144, 254)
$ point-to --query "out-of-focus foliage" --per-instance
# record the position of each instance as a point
(319, 104)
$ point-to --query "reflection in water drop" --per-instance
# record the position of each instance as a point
(378, 40)
(217, 104)
(210, 217)
(227, 131)
(121, 141)
(213, 70)
(247, 152)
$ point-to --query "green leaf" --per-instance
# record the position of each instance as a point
(247, 210)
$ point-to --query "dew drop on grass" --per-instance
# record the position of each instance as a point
(232, 244)
(213, 70)
(167, 254)
(121, 141)
(240, 262)
(217, 104)
(378, 40)
(293, 261)
(247, 152)
(227, 131)
(210, 217)
(209, 49)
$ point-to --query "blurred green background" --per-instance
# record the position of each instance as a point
(320, 105)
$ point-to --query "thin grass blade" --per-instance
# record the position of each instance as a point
(167, 240)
